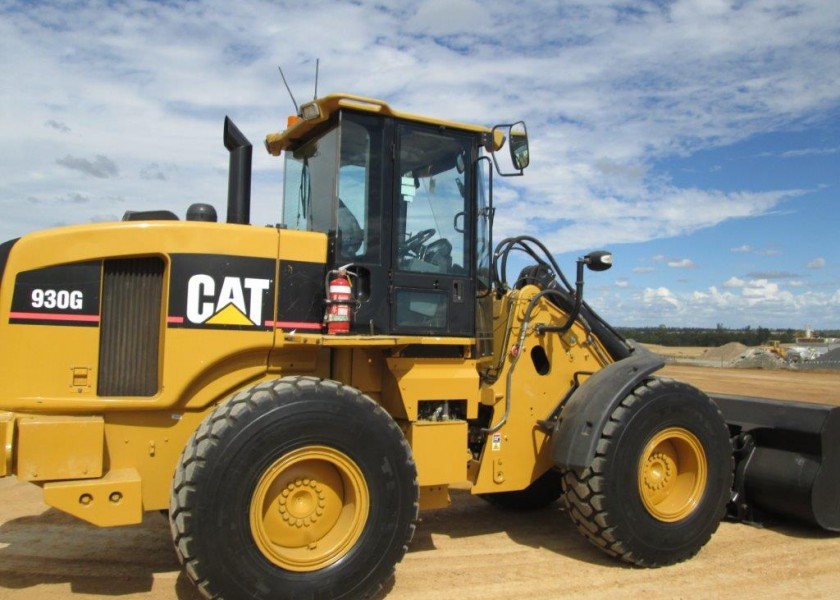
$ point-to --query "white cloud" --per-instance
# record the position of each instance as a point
(606, 91)
(755, 302)
(817, 263)
(682, 263)
(661, 297)
(734, 282)
(746, 248)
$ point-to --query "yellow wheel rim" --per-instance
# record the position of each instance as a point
(309, 508)
(672, 474)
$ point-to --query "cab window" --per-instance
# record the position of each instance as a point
(432, 202)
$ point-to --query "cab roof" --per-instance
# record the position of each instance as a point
(313, 113)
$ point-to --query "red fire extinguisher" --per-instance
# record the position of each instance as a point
(340, 302)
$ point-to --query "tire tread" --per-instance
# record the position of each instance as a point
(583, 489)
(217, 425)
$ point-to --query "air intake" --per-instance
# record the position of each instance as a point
(129, 336)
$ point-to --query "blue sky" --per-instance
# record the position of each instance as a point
(699, 140)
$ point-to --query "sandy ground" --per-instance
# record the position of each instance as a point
(470, 550)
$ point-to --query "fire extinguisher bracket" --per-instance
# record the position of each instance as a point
(341, 303)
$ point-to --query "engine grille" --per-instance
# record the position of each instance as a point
(130, 324)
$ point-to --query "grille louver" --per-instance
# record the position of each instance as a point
(129, 338)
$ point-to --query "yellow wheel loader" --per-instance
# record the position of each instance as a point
(294, 395)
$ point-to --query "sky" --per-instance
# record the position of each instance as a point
(697, 140)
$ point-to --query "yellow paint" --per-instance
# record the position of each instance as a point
(7, 436)
(672, 474)
(434, 496)
(112, 500)
(51, 448)
(309, 509)
(420, 379)
(440, 451)
(518, 453)
(300, 129)
(230, 315)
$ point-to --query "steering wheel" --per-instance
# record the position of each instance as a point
(415, 242)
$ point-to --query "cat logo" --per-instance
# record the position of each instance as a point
(236, 301)
(219, 291)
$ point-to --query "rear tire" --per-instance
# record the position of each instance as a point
(661, 477)
(295, 488)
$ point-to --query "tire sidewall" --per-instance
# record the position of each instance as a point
(235, 465)
(681, 406)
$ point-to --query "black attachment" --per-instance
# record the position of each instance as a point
(787, 459)
(239, 175)
(201, 212)
(149, 215)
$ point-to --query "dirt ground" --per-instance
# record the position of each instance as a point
(470, 550)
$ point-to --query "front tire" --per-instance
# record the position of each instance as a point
(661, 477)
(295, 488)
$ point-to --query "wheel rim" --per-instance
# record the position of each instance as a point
(309, 508)
(672, 474)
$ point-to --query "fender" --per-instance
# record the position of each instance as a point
(579, 427)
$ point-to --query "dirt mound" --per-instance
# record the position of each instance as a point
(759, 358)
(724, 354)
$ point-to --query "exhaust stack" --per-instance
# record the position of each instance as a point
(239, 174)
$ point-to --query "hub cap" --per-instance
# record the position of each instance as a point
(672, 474)
(309, 508)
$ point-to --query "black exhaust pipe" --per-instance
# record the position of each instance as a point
(239, 174)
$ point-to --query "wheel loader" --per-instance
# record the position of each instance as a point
(294, 394)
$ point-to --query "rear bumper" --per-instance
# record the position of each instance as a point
(51, 447)
(7, 437)
(65, 455)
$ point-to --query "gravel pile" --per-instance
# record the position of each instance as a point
(759, 358)
(829, 360)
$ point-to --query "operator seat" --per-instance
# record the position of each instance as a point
(439, 253)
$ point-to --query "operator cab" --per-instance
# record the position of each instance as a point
(401, 199)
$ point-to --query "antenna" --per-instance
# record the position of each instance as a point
(317, 60)
(288, 89)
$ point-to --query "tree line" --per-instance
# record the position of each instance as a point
(717, 336)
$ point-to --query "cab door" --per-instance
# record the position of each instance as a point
(432, 289)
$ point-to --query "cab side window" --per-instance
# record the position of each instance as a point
(432, 202)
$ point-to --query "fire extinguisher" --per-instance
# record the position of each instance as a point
(340, 302)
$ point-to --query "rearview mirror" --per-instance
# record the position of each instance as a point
(518, 156)
(519, 146)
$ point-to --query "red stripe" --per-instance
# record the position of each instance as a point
(176, 320)
(293, 325)
(54, 317)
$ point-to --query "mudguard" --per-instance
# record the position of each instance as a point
(586, 412)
